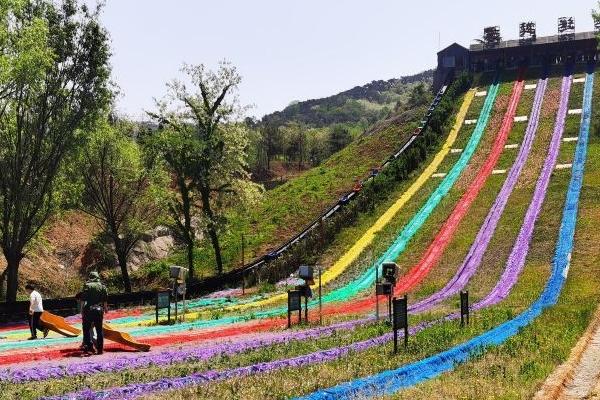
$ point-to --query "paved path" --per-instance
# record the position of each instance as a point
(586, 377)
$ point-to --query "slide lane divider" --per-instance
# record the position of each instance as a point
(389, 382)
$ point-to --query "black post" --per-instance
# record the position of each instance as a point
(405, 312)
(464, 308)
(157, 308)
(289, 312)
(306, 309)
(400, 320)
(376, 295)
(243, 282)
(395, 340)
(390, 307)
(243, 272)
(176, 301)
(320, 300)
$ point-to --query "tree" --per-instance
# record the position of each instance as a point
(177, 149)
(271, 141)
(207, 120)
(53, 80)
(294, 143)
(120, 192)
(419, 96)
(339, 137)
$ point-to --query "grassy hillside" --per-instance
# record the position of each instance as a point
(286, 209)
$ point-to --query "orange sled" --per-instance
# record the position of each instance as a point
(123, 338)
(58, 324)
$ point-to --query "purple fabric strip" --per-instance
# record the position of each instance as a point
(40, 373)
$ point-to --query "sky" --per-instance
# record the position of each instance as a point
(298, 50)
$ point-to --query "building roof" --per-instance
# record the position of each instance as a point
(453, 45)
(538, 41)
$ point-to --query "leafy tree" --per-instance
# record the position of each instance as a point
(53, 80)
(419, 96)
(271, 141)
(120, 192)
(339, 137)
(318, 147)
(295, 145)
(178, 149)
(217, 165)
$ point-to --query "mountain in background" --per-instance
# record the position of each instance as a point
(368, 103)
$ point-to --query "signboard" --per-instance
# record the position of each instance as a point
(566, 28)
(491, 36)
(597, 24)
(400, 320)
(527, 31)
(400, 313)
(294, 304)
(294, 300)
(383, 289)
(163, 300)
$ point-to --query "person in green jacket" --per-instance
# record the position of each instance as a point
(95, 296)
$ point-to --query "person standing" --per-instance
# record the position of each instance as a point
(95, 296)
(36, 308)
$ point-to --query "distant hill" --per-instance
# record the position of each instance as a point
(369, 103)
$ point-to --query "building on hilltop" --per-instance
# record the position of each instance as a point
(579, 47)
